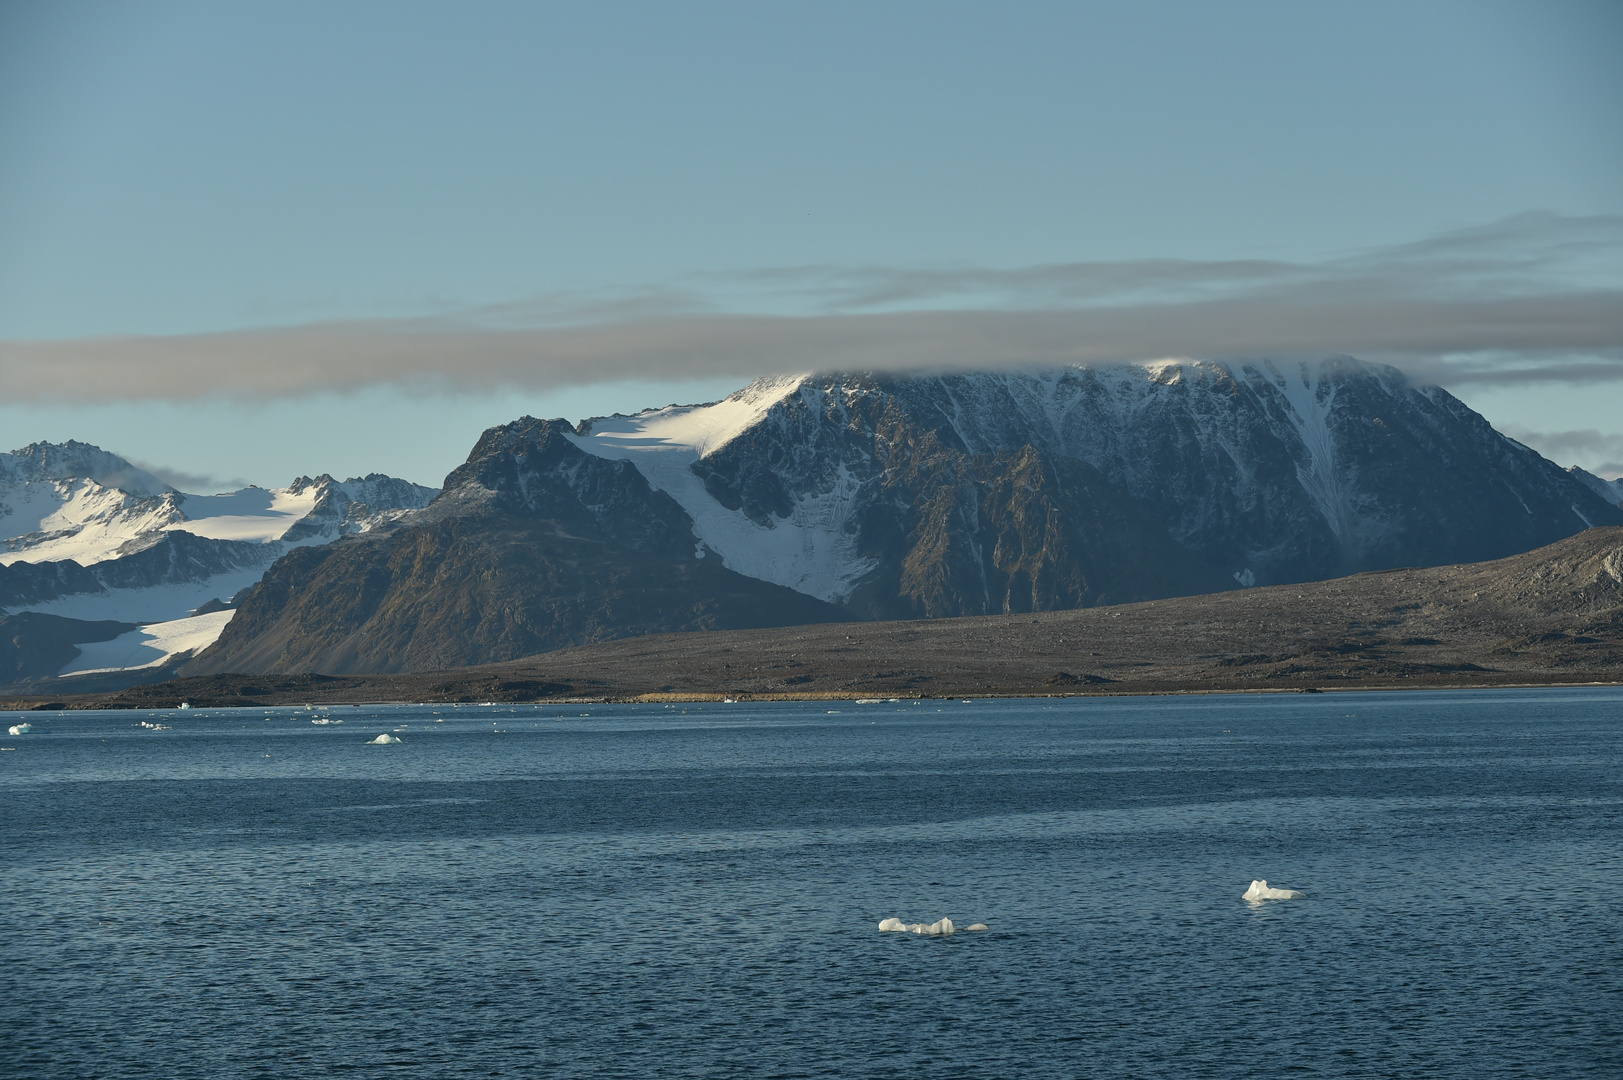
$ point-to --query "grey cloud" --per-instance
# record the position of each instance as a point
(1600, 452)
(1535, 298)
(1529, 252)
(194, 483)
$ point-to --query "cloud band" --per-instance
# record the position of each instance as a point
(1534, 299)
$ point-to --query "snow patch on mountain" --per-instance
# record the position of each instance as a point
(1311, 398)
(695, 430)
(149, 646)
(255, 514)
(809, 551)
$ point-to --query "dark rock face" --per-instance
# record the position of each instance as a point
(534, 545)
(954, 534)
(35, 646)
(952, 527)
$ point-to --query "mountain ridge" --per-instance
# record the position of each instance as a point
(891, 497)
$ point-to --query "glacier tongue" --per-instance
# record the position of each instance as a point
(810, 551)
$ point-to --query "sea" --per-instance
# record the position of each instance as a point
(695, 890)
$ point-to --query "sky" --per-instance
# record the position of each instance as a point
(244, 242)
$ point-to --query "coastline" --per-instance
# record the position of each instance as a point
(169, 696)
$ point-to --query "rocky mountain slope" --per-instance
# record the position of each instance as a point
(533, 545)
(888, 497)
(1548, 617)
(1609, 490)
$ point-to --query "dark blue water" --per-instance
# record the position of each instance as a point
(651, 891)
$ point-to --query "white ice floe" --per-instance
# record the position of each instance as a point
(21, 729)
(1260, 890)
(383, 740)
(935, 929)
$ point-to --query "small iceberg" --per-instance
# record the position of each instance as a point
(1261, 890)
(326, 720)
(383, 740)
(936, 929)
(21, 729)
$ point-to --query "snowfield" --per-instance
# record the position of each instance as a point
(257, 514)
(149, 646)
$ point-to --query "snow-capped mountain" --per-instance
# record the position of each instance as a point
(85, 535)
(907, 496)
(1273, 472)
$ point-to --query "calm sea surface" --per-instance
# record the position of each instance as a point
(646, 891)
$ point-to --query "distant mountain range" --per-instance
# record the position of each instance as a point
(796, 500)
(89, 542)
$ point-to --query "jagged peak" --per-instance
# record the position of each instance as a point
(74, 460)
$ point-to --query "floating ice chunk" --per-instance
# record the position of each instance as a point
(21, 729)
(935, 929)
(326, 720)
(383, 740)
(1260, 890)
(977, 926)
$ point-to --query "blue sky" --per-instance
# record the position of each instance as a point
(247, 241)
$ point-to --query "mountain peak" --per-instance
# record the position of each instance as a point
(73, 460)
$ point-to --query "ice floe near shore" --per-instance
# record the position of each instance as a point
(935, 929)
(1261, 890)
(383, 740)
